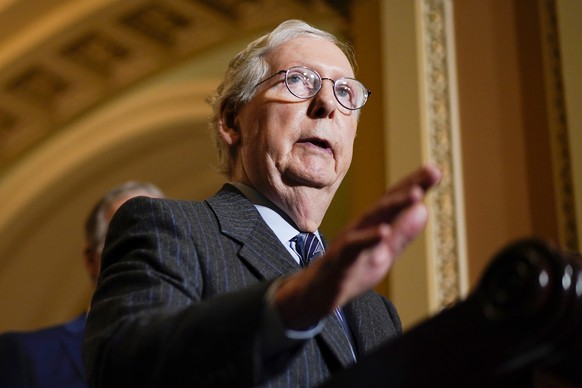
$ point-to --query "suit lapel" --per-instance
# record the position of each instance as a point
(334, 336)
(370, 322)
(241, 221)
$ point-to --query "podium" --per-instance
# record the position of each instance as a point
(520, 327)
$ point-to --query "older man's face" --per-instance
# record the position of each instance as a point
(286, 141)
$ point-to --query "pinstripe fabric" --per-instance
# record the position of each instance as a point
(310, 248)
(148, 326)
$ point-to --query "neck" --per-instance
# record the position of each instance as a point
(306, 206)
(303, 207)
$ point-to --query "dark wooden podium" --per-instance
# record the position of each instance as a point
(521, 327)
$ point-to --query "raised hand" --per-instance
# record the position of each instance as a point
(361, 255)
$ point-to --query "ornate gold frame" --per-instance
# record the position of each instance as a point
(449, 277)
(560, 142)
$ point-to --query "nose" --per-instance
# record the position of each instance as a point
(324, 103)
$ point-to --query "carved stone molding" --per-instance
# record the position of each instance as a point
(558, 126)
(446, 202)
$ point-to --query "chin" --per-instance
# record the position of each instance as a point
(317, 181)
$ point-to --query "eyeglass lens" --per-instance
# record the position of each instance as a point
(303, 82)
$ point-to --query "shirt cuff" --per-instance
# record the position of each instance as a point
(276, 338)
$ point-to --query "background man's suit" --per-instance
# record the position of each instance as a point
(49, 357)
(192, 252)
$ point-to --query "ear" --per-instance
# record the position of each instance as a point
(228, 128)
(92, 263)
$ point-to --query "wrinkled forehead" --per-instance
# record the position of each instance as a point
(312, 51)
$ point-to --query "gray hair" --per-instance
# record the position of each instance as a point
(247, 69)
(96, 225)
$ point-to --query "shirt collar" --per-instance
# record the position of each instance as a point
(275, 218)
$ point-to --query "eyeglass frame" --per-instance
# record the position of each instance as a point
(368, 91)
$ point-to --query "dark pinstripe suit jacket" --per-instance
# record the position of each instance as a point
(181, 295)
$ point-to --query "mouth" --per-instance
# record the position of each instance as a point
(317, 142)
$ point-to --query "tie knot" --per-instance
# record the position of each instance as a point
(308, 247)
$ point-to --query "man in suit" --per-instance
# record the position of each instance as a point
(51, 357)
(237, 290)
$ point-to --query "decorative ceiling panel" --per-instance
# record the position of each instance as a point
(99, 54)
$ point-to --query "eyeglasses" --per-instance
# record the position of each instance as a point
(305, 83)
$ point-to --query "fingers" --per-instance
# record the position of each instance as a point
(430, 176)
(402, 228)
(402, 196)
(392, 224)
(424, 178)
(407, 227)
(409, 214)
(355, 241)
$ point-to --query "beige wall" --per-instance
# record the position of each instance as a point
(569, 13)
(493, 128)
(512, 174)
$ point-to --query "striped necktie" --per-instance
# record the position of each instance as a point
(309, 248)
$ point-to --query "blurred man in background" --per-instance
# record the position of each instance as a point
(51, 357)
